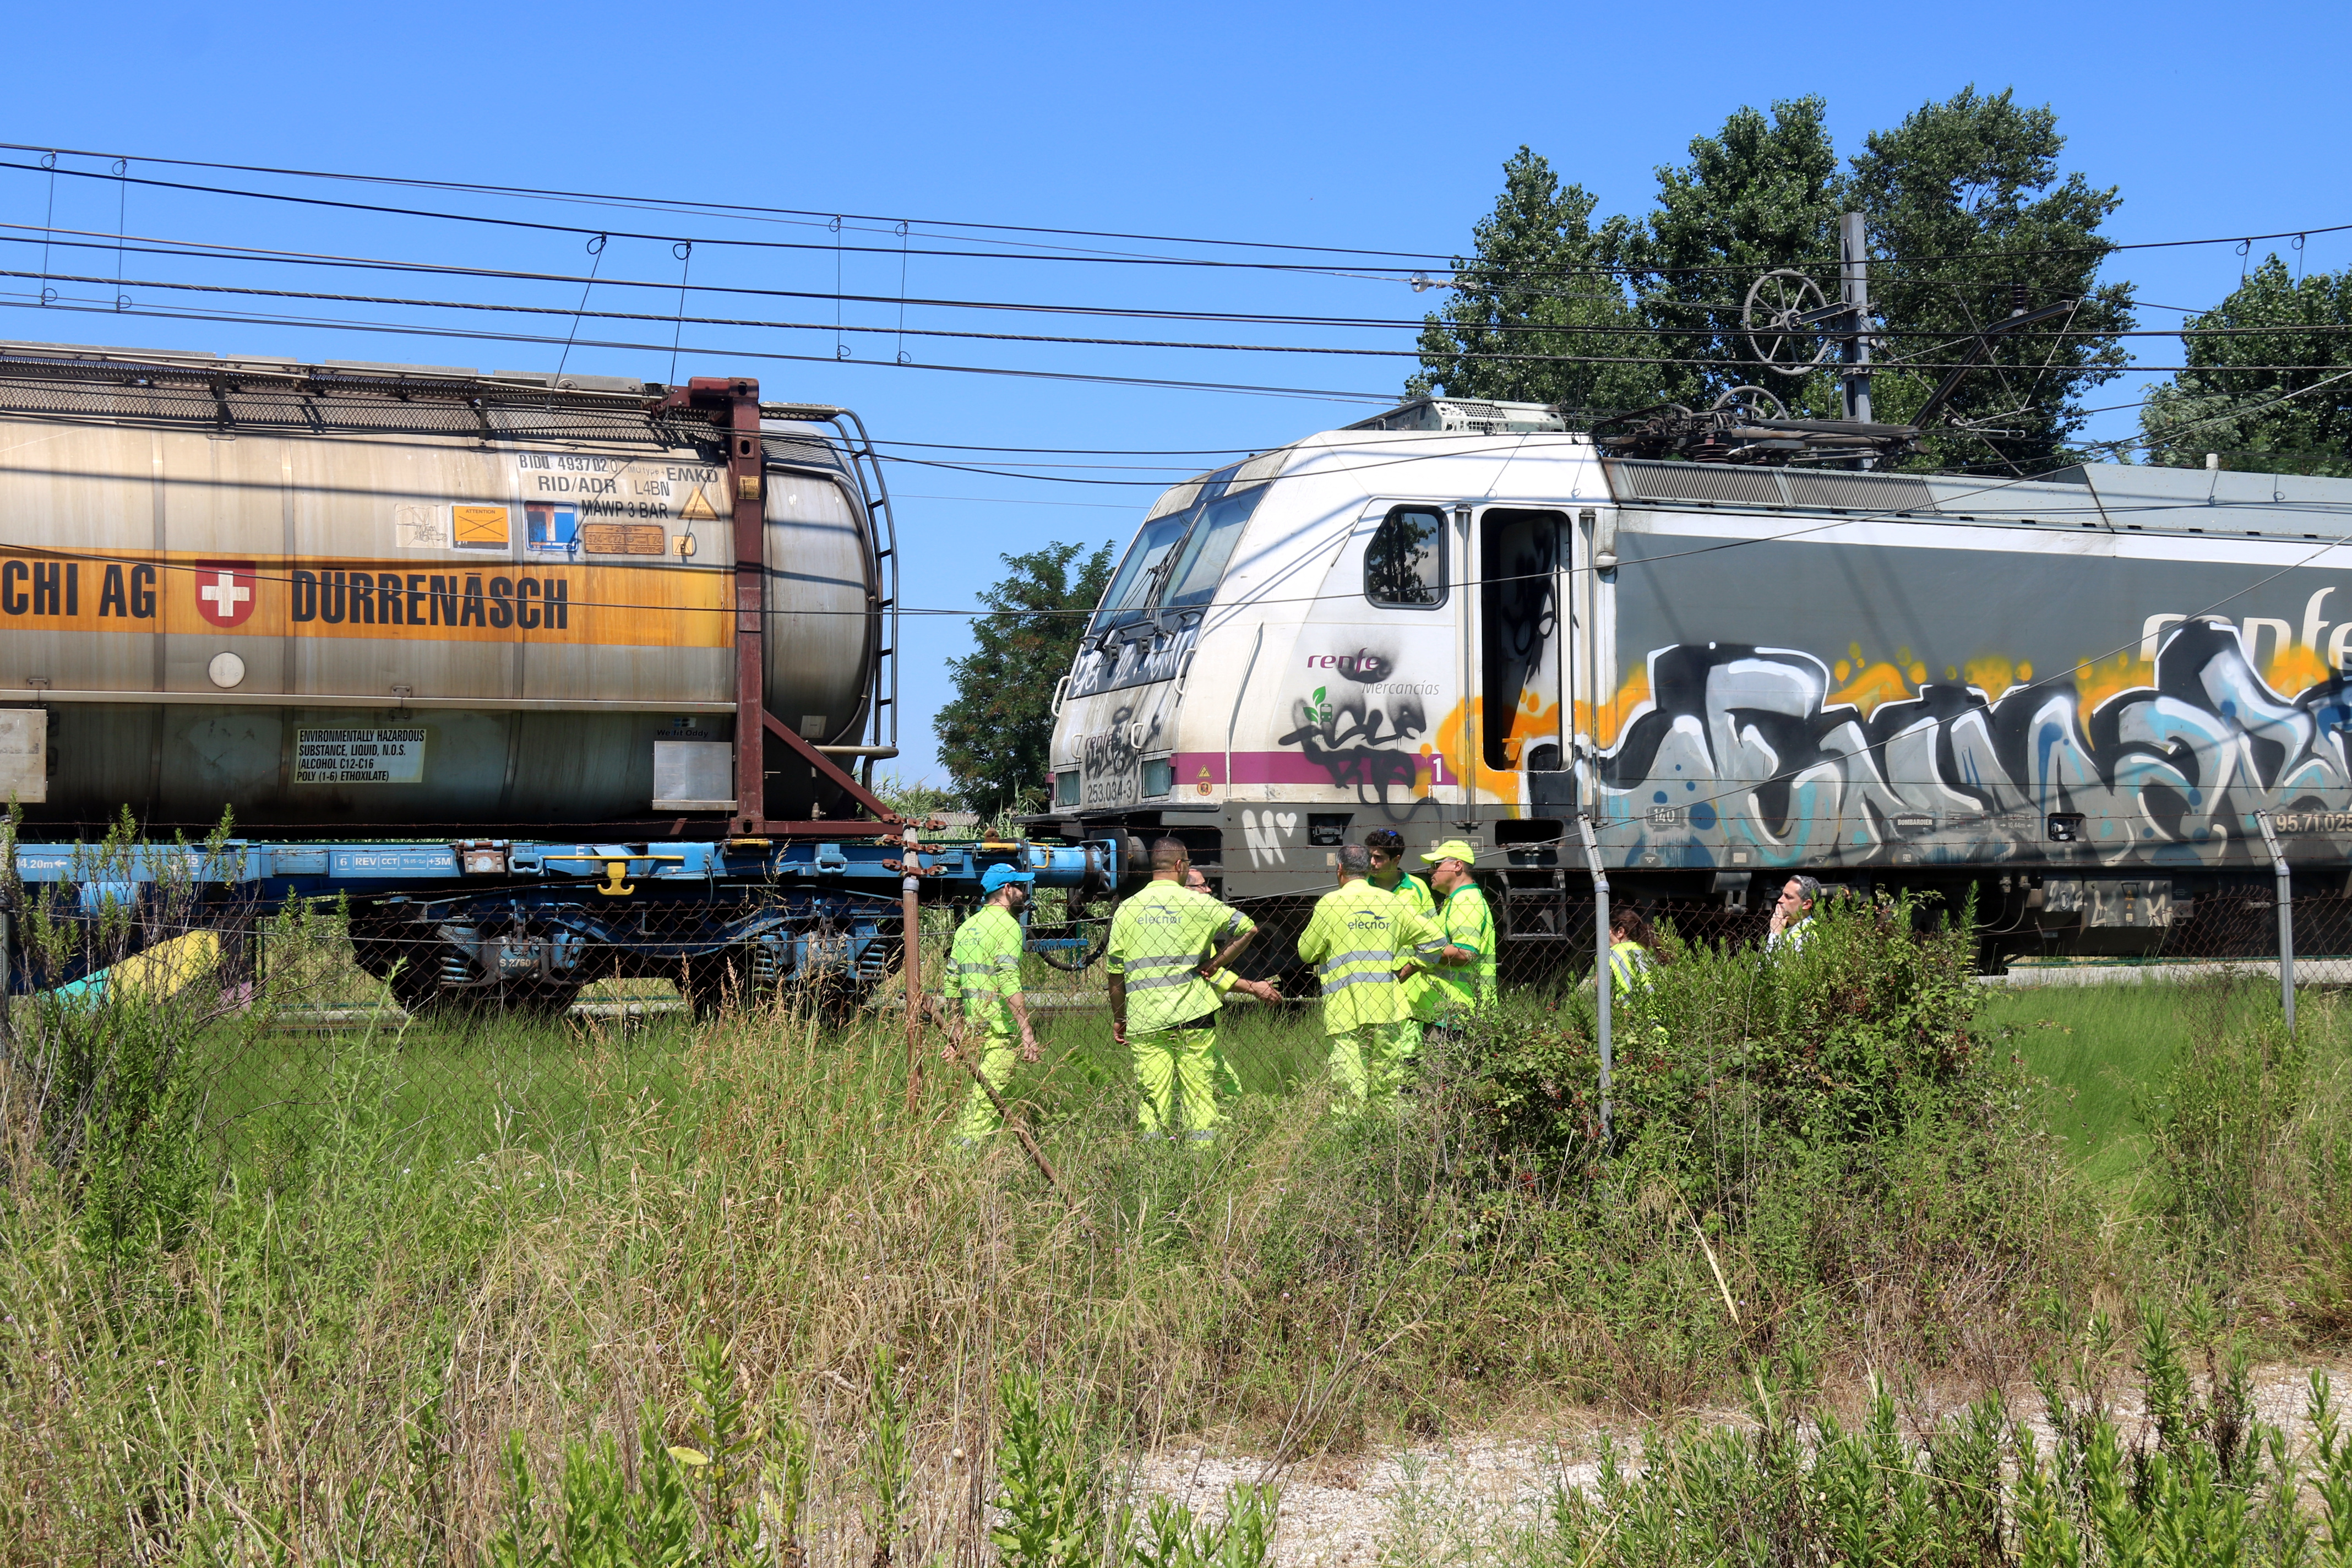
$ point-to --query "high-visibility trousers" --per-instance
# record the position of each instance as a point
(1369, 1064)
(1180, 1072)
(979, 1119)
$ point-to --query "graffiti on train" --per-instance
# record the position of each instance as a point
(1135, 657)
(1363, 728)
(1738, 759)
(1110, 765)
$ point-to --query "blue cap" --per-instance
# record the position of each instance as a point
(996, 877)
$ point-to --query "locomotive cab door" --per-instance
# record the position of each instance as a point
(1525, 728)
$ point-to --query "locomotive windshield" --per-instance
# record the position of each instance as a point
(1177, 561)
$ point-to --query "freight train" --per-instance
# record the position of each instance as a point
(552, 679)
(2073, 697)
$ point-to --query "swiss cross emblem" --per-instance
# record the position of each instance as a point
(225, 590)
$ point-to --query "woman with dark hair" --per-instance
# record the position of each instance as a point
(1633, 952)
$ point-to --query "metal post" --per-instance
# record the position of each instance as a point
(1600, 976)
(911, 966)
(1854, 251)
(2286, 917)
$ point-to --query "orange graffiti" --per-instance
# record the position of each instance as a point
(2095, 681)
(1872, 685)
(1605, 726)
(2296, 669)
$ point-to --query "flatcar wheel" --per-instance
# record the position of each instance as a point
(413, 986)
(713, 983)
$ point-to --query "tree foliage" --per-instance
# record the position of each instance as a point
(995, 734)
(1966, 201)
(1542, 276)
(1968, 217)
(2233, 400)
(1763, 194)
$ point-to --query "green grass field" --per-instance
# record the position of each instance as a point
(2101, 1048)
(409, 1243)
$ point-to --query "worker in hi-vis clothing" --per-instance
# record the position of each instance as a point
(1389, 875)
(1167, 942)
(982, 996)
(1462, 982)
(1363, 942)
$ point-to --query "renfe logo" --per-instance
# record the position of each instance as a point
(1361, 664)
(225, 590)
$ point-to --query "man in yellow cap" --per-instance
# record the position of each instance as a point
(1164, 951)
(982, 996)
(1462, 984)
(1363, 940)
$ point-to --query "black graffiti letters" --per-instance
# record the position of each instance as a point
(1361, 747)
(1739, 758)
(411, 599)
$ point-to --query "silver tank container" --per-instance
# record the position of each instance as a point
(393, 598)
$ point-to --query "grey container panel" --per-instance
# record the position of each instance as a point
(187, 660)
(820, 564)
(557, 672)
(184, 762)
(373, 666)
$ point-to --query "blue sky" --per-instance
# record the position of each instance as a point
(1378, 126)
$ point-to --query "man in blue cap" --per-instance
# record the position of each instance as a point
(983, 996)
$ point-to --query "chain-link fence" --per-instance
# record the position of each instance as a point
(285, 1015)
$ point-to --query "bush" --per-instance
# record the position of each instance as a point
(1822, 1128)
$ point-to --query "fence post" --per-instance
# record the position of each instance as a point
(2286, 917)
(1600, 976)
(910, 963)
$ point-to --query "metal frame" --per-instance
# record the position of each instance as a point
(733, 406)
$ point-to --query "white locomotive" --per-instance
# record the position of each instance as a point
(1460, 619)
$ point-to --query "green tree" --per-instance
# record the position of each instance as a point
(2233, 398)
(994, 735)
(1540, 279)
(1763, 194)
(1967, 206)
(1968, 217)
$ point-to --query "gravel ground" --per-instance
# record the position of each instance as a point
(1456, 1500)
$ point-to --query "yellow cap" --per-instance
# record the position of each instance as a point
(1453, 850)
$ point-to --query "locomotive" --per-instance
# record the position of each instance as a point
(2077, 698)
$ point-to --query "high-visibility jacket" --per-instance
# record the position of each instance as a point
(984, 968)
(1629, 967)
(1358, 938)
(1457, 991)
(1159, 937)
(1414, 892)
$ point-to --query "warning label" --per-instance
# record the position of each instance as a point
(359, 756)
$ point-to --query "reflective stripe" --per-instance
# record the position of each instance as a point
(1159, 981)
(1361, 955)
(1375, 977)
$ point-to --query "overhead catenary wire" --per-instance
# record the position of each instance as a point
(577, 313)
(2101, 246)
(196, 250)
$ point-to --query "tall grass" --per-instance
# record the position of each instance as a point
(736, 1293)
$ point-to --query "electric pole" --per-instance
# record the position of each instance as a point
(1853, 251)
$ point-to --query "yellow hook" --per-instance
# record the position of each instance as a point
(611, 887)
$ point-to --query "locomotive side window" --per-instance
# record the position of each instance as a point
(1404, 565)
